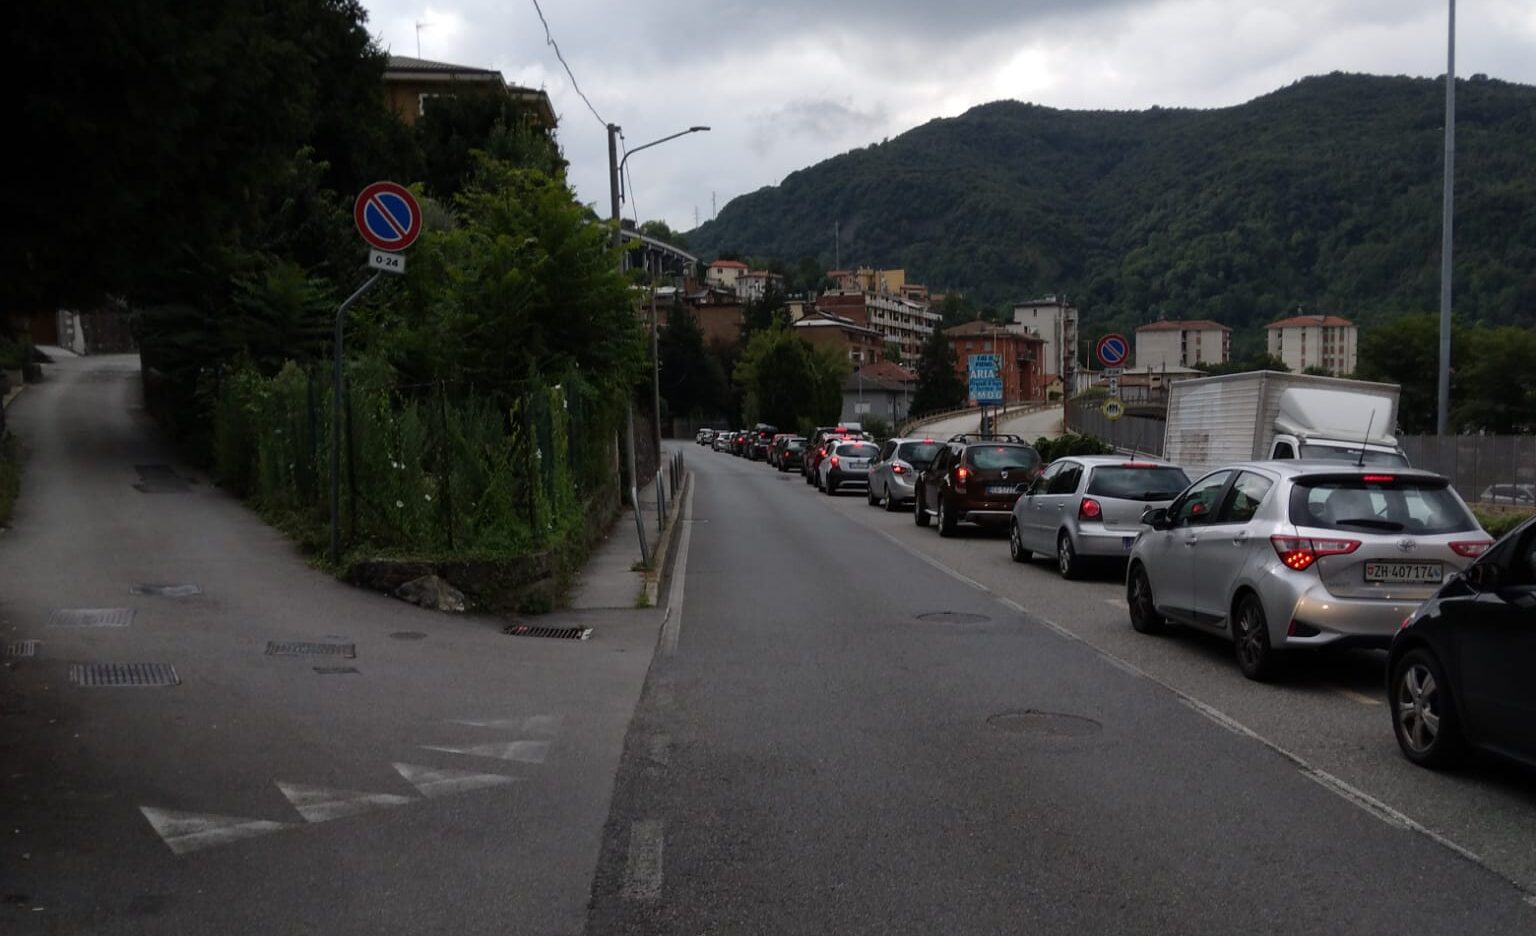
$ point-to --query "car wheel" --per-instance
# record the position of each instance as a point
(891, 504)
(1016, 548)
(1138, 595)
(1250, 640)
(919, 510)
(1423, 713)
(828, 488)
(869, 496)
(946, 519)
(1066, 558)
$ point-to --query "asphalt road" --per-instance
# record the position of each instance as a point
(811, 755)
(456, 780)
(1030, 425)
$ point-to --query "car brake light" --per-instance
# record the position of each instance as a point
(927, 441)
(898, 468)
(1138, 465)
(834, 461)
(1299, 552)
(1379, 479)
(1471, 549)
(1089, 509)
(962, 473)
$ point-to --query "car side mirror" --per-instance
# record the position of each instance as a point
(1155, 517)
(1484, 576)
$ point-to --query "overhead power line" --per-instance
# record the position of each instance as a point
(550, 38)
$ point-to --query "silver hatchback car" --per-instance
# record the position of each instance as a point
(1089, 506)
(893, 473)
(1293, 554)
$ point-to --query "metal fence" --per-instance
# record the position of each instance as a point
(1131, 432)
(1491, 469)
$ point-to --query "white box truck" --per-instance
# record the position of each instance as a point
(1216, 421)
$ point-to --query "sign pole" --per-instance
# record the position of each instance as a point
(336, 411)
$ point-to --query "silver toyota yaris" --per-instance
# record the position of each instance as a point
(1290, 554)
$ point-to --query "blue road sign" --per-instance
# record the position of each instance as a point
(986, 390)
(981, 365)
(387, 216)
(1113, 350)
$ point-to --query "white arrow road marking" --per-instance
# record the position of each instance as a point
(435, 781)
(187, 832)
(534, 724)
(317, 804)
(526, 752)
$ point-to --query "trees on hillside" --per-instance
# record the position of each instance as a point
(1493, 373)
(938, 384)
(787, 381)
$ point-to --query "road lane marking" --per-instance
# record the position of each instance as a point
(320, 804)
(659, 750)
(524, 752)
(672, 626)
(642, 868)
(1366, 802)
(185, 832)
(1354, 696)
(534, 724)
(1123, 666)
(1117, 603)
(433, 782)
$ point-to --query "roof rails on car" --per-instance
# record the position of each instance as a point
(964, 437)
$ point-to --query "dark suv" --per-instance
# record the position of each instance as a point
(759, 439)
(974, 478)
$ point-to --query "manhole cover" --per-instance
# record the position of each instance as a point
(953, 617)
(559, 633)
(408, 635)
(91, 617)
(124, 674)
(160, 479)
(167, 591)
(309, 648)
(1045, 724)
(21, 648)
(335, 670)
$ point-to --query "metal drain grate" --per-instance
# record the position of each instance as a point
(309, 648)
(558, 633)
(21, 648)
(167, 591)
(335, 670)
(91, 617)
(134, 675)
(953, 617)
(408, 635)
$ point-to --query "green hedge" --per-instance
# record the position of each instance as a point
(1497, 524)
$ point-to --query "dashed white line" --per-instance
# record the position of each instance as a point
(642, 867)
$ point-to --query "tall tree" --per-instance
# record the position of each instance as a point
(787, 380)
(938, 384)
(691, 381)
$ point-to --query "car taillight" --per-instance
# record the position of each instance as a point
(834, 461)
(1472, 548)
(962, 473)
(1379, 479)
(1089, 509)
(1299, 552)
(898, 468)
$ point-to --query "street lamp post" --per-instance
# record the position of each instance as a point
(1443, 408)
(615, 169)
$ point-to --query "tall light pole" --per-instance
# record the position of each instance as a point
(1443, 414)
(615, 173)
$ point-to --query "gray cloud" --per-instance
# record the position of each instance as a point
(817, 119)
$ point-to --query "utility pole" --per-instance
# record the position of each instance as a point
(629, 403)
(1443, 413)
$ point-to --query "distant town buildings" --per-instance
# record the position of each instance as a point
(1053, 320)
(1182, 344)
(884, 301)
(1019, 357)
(1325, 341)
(862, 345)
(410, 84)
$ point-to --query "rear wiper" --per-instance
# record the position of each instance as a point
(1373, 523)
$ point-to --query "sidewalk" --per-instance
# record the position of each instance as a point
(614, 576)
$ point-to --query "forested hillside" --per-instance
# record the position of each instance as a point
(1324, 195)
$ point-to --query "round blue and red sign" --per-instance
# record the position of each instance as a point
(387, 216)
(1113, 350)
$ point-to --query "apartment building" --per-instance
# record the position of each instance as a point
(884, 301)
(1018, 354)
(1053, 320)
(1182, 344)
(1326, 341)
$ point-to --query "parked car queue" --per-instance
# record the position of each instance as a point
(1276, 557)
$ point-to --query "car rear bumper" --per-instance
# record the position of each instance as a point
(987, 516)
(1316, 618)
(847, 477)
(1105, 542)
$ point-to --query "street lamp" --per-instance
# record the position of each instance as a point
(615, 167)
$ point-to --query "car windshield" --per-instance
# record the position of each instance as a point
(1380, 503)
(858, 450)
(1138, 482)
(1002, 456)
(1352, 455)
(917, 453)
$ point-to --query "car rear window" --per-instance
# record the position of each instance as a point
(794, 445)
(917, 453)
(1138, 482)
(1379, 504)
(858, 450)
(1002, 456)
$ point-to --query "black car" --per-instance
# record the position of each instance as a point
(1459, 673)
(974, 478)
(792, 453)
(759, 439)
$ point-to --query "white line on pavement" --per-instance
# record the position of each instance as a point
(525, 752)
(1354, 696)
(672, 627)
(187, 832)
(433, 782)
(319, 804)
(642, 869)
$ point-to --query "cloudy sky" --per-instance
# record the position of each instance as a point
(787, 83)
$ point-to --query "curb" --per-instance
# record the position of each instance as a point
(659, 572)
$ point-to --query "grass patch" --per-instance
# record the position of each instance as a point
(10, 477)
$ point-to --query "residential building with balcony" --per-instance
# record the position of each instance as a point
(861, 344)
(1018, 356)
(885, 301)
(1053, 320)
(724, 273)
(1326, 341)
(753, 285)
(410, 84)
(1182, 344)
